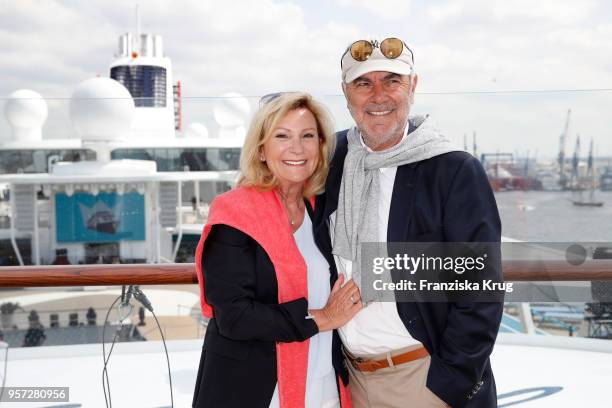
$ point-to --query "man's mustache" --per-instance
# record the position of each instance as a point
(379, 107)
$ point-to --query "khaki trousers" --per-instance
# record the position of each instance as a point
(400, 386)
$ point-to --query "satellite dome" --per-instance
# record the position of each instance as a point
(232, 110)
(101, 109)
(197, 130)
(26, 111)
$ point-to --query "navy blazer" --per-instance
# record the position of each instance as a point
(446, 198)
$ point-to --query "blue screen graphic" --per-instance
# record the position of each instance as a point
(105, 217)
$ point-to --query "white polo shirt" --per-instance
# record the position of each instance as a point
(377, 328)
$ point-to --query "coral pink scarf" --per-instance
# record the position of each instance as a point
(261, 215)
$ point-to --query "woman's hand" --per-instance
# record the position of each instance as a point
(344, 302)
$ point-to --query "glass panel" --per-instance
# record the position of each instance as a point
(7, 253)
(174, 160)
(146, 84)
(161, 158)
(48, 317)
(223, 159)
(37, 161)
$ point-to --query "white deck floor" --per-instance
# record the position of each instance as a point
(527, 375)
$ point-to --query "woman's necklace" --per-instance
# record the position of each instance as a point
(284, 201)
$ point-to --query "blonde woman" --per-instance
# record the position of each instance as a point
(264, 282)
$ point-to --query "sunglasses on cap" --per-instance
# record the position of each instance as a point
(390, 47)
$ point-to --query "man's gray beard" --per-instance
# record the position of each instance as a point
(365, 137)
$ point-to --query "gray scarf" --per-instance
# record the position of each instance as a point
(357, 214)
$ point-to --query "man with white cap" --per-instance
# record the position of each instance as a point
(397, 179)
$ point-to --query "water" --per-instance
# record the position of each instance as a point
(549, 216)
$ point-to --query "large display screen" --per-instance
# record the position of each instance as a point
(105, 217)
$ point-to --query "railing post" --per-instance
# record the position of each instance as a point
(526, 318)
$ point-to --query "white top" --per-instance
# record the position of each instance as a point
(377, 328)
(321, 390)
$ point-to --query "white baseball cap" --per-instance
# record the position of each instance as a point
(403, 64)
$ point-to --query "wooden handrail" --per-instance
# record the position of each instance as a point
(97, 275)
(557, 271)
(184, 273)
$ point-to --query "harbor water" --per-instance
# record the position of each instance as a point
(550, 216)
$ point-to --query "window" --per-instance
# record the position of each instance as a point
(37, 161)
(147, 84)
(169, 159)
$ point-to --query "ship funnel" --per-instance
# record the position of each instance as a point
(141, 67)
(125, 45)
(146, 45)
(158, 46)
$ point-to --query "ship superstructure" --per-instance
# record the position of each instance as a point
(131, 188)
(143, 69)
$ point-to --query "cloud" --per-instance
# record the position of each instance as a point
(495, 45)
(261, 46)
(253, 46)
(520, 11)
(554, 11)
(390, 10)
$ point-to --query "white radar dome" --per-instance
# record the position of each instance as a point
(26, 111)
(196, 130)
(101, 109)
(232, 110)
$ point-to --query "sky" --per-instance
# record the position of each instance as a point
(505, 70)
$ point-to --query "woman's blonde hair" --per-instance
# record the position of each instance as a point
(254, 172)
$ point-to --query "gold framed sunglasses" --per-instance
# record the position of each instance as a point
(390, 47)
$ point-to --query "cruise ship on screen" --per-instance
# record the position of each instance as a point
(134, 188)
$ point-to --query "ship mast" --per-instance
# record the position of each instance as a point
(561, 157)
(590, 169)
(575, 180)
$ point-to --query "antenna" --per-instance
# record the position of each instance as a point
(138, 21)
(137, 39)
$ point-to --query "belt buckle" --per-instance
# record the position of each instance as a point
(376, 365)
(364, 364)
(368, 365)
(356, 361)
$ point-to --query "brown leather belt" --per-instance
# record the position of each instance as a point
(363, 364)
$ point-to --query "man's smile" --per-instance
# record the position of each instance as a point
(379, 113)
